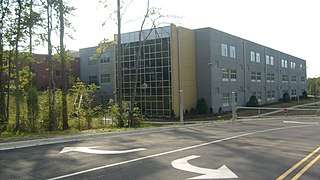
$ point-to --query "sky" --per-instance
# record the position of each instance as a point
(290, 26)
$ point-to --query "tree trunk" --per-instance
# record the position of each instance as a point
(63, 68)
(2, 95)
(17, 78)
(51, 97)
(136, 65)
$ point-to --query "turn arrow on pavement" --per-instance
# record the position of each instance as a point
(93, 150)
(222, 173)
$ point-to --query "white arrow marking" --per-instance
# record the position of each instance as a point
(92, 150)
(222, 173)
(296, 122)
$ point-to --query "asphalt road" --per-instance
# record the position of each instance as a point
(260, 149)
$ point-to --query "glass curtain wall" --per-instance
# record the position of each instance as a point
(154, 76)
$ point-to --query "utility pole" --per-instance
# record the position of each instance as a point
(119, 65)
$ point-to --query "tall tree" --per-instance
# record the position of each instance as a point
(51, 94)
(3, 7)
(16, 62)
(63, 67)
(152, 15)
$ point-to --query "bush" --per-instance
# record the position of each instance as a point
(286, 97)
(211, 110)
(304, 95)
(186, 112)
(192, 112)
(202, 107)
(253, 102)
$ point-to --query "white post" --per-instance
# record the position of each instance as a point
(181, 106)
(233, 98)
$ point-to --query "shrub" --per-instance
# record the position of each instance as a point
(304, 95)
(253, 102)
(286, 97)
(211, 110)
(186, 112)
(202, 107)
(192, 111)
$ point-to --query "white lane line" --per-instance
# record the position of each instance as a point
(174, 151)
(297, 122)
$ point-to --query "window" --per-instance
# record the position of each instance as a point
(252, 56)
(258, 96)
(233, 74)
(93, 80)
(272, 77)
(293, 65)
(225, 74)
(271, 60)
(258, 57)
(268, 95)
(104, 59)
(217, 90)
(226, 99)
(293, 79)
(294, 93)
(303, 79)
(91, 61)
(224, 50)
(105, 78)
(284, 63)
(267, 59)
(258, 76)
(285, 78)
(268, 77)
(253, 77)
(232, 51)
(273, 95)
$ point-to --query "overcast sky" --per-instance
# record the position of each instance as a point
(290, 26)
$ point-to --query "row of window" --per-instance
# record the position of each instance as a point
(269, 60)
(255, 57)
(255, 76)
(227, 99)
(228, 48)
(104, 78)
(229, 75)
(270, 77)
(104, 59)
(230, 51)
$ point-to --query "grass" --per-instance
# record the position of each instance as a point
(21, 136)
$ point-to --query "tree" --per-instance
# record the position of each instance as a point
(33, 107)
(153, 15)
(4, 13)
(16, 62)
(51, 94)
(63, 62)
(84, 98)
